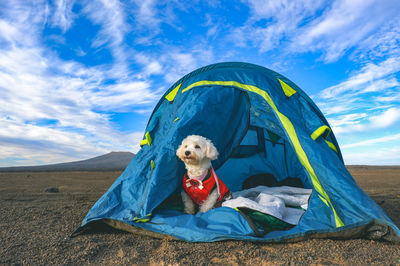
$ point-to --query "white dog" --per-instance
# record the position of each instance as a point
(201, 184)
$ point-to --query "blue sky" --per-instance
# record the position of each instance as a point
(80, 78)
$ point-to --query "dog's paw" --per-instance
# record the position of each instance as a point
(189, 210)
(204, 208)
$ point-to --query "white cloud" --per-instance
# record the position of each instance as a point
(379, 156)
(373, 141)
(361, 122)
(148, 16)
(63, 16)
(151, 66)
(274, 22)
(366, 100)
(122, 95)
(370, 77)
(32, 144)
(381, 85)
(38, 87)
(177, 62)
(388, 98)
(384, 43)
(8, 32)
(332, 29)
(390, 117)
(349, 119)
(146, 13)
(111, 16)
(43, 144)
(53, 110)
(373, 151)
(16, 21)
(344, 25)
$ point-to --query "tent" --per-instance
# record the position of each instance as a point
(264, 126)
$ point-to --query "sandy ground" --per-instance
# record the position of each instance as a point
(35, 225)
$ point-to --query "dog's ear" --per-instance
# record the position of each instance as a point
(179, 152)
(211, 151)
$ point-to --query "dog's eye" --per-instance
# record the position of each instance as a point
(185, 146)
(197, 147)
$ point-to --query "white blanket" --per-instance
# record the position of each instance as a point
(280, 202)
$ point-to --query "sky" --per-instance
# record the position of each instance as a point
(80, 79)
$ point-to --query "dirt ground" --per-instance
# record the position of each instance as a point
(35, 226)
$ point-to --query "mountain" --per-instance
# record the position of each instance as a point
(107, 162)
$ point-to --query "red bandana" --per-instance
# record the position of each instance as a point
(198, 190)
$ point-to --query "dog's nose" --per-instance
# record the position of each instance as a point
(187, 153)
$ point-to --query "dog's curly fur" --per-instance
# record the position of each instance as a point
(197, 153)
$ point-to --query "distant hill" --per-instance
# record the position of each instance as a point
(107, 162)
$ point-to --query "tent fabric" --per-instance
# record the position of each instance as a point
(261, 123)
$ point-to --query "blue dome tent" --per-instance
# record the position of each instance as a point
(262, 124)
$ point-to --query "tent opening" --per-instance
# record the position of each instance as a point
(262, 159)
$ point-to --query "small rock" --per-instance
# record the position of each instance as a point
(52, 190)
(120, 253)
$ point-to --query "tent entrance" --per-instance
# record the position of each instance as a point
(247, 144)
(249, 155)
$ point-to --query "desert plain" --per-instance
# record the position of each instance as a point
(36, 222)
